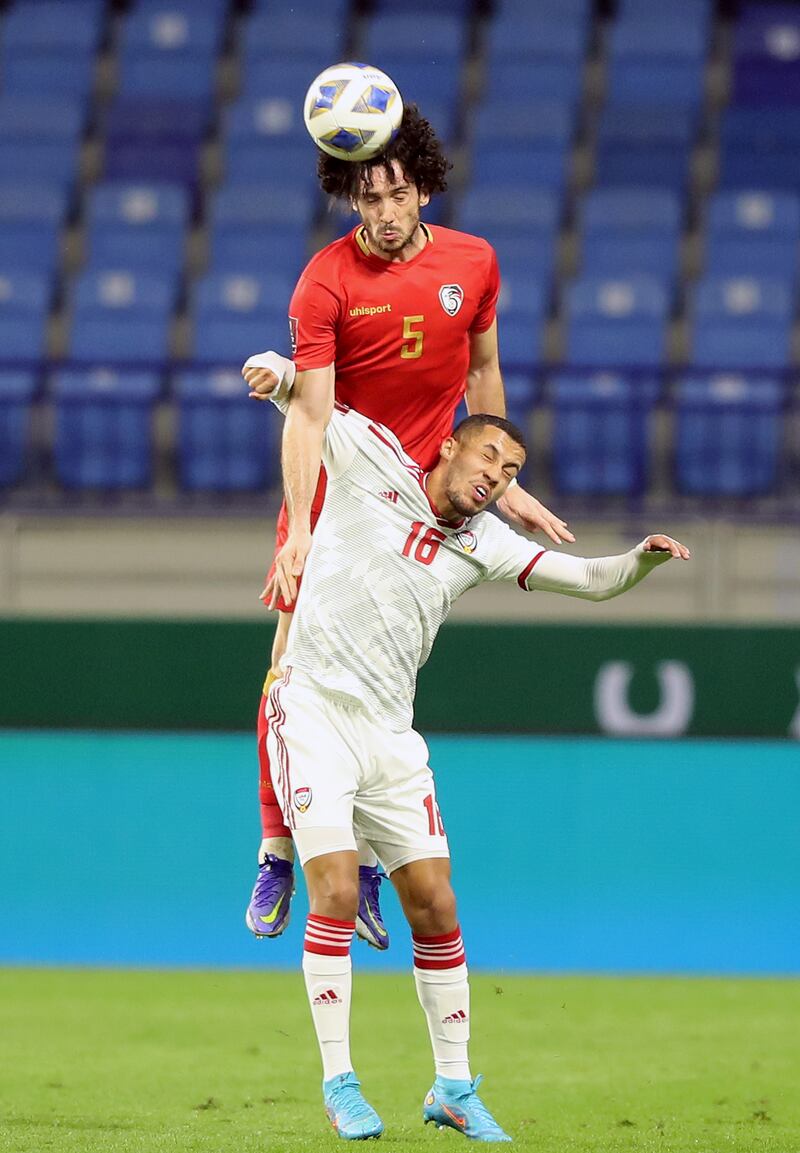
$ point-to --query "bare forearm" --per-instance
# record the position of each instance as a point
(301, 456)
(485, 390)
(301, 453)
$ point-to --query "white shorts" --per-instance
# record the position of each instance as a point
(335, 768)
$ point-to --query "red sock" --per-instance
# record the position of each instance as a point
(272, 822)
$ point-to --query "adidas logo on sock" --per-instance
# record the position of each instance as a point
(457, 1018)
(330, 997)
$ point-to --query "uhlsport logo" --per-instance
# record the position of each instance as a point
(302, 798)
(467, 540)
(328, 997)
(452, 297)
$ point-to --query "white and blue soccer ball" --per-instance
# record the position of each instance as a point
(352, 111)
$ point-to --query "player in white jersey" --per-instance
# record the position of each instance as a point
(392, 550)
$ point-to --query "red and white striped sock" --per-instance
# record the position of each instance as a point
(440, 974)
(328, 976)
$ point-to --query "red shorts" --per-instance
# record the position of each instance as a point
(282, 532)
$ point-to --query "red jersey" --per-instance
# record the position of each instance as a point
(397, 331)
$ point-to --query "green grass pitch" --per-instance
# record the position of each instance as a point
(140, 1062)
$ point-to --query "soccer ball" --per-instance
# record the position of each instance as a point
(352, 111)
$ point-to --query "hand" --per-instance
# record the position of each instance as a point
(262, 382)
(289, 565)
(660, 543)
(525, 510)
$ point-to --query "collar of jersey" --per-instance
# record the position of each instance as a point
(359, 235)
(439, 518)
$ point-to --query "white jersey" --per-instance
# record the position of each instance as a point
(384, 569)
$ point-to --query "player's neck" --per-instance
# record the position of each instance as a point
(436, 489)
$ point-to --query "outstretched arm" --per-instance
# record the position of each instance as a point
(485, 394)
(601, 578)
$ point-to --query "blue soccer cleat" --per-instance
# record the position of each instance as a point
(369, 920)
(268, 912)
(456, 1104)
(352, 1117)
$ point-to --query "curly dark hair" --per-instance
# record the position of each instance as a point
(415, 149)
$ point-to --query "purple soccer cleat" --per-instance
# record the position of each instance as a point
(268, 912)
(369, 921)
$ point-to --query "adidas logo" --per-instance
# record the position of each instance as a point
(457, 1018)
(391, 495)
(330, 997)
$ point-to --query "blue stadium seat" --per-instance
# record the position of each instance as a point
(742, 322)
(728, 433)
(104, 428)
(602, 432)
(250, 205)
(535, 40)
(463, 8)
(285, 33)
(576, 11)
(694, 11)
(24, 306)
(253, 118)
(539, 165)
(532, 251)
(521, 341)
(24, 118)
(617, 322)
(523, 293)
(47, 25)
(639, 126)
(753, 233)
(509, 211)
(137, 226)
(52, 73)
(114, 340)
(17, 392)
(662, 38)
(182, 76)
(668, 82)
(542, 122)
(283, 81)
(228, 338)
(45, 162)
(628, 231)
(646, 165)
(226, 442)
(279, 248)
(128, 292)
(312, 8)
(241, 295)
(155, 120)
(766, 56)
(271, 160)
(216, 11)
(172, 31)
(550, 80)
(31, 216)
(436, 38)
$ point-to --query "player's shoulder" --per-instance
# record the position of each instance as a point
(464, 242)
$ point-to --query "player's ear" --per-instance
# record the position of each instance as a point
(424, 197)
(447, 451)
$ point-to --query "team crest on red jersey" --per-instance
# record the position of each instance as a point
(452, 297)
(302, 798)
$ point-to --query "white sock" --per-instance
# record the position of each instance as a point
(366, 855)
(276, 847)
(440, 973)
(328, 977)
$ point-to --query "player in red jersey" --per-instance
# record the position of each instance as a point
(375, 317)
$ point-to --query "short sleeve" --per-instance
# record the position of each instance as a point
(313, 321)
(508, 555)
(345, 432)
(487, 307)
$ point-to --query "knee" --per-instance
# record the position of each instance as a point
(433, 910)
(335, 896)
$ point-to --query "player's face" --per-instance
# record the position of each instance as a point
(389, 210)
(479, 469)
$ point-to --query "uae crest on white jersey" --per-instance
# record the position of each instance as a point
(452, 297)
